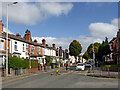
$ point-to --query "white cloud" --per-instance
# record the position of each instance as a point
(30, 14)
(98, 32)
(102, 30)
(55, 9)
(4, 30)
(64, 42)
(115, 22)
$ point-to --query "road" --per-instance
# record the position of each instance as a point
(71, 79)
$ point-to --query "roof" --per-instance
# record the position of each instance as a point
(114, 38)
(26, 41)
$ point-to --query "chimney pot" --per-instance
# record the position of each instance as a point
(60, 47)
(53, 45)
(43, 42)
(47, 45)
(18, 35)
(66, 50)
(35, 41)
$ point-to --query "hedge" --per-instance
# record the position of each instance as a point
(112, 65)
(17, 62)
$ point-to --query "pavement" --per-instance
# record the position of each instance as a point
(103, 74)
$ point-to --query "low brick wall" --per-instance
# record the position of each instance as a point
(116, 69)
(34, 69)
(25, 71)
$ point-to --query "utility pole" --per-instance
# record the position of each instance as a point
(7, 37)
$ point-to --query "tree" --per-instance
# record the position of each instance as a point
(96, 49)
(75, 48)
(104, 49)
(86, 56)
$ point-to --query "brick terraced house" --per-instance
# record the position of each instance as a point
(25, 47)
(115, 49)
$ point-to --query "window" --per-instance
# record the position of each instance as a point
(15, 46)
(32, 49)
(38, 50)
(23, 47)
(2, 44)
(27, 47)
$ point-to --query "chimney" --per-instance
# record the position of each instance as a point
(47, 45)
(35, 41)
(1, 26)
(43, 42)
(60, 47)
(53, 45)
(28, 36)
(18, 35)
(66, 50)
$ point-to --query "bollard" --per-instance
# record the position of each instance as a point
(57, 70)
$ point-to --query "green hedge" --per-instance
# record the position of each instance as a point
(112, 65)
(48, 60)
(17, 62)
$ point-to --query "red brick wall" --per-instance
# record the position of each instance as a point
(35, 50)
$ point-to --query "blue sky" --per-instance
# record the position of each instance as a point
(75, 24)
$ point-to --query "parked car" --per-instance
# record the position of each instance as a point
(88, 65)
(80, 66)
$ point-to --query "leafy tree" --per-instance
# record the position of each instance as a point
(75, 48)
(86, 56)
(104, 49)
(96, 49)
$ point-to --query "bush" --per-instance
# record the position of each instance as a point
(112, 65)
(48, 60)
(16, 62)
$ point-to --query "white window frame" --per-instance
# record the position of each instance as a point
(15, 46)
(38, 50)
(2, 47)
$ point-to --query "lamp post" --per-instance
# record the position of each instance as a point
(7, 38)
(93, 58)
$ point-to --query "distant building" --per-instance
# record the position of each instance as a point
(111, 58)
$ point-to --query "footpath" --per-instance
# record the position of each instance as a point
(103, 74)
(22, 76)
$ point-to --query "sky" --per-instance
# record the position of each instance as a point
(63, 22)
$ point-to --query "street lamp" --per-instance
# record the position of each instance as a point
(7, 39)
(93, 58)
